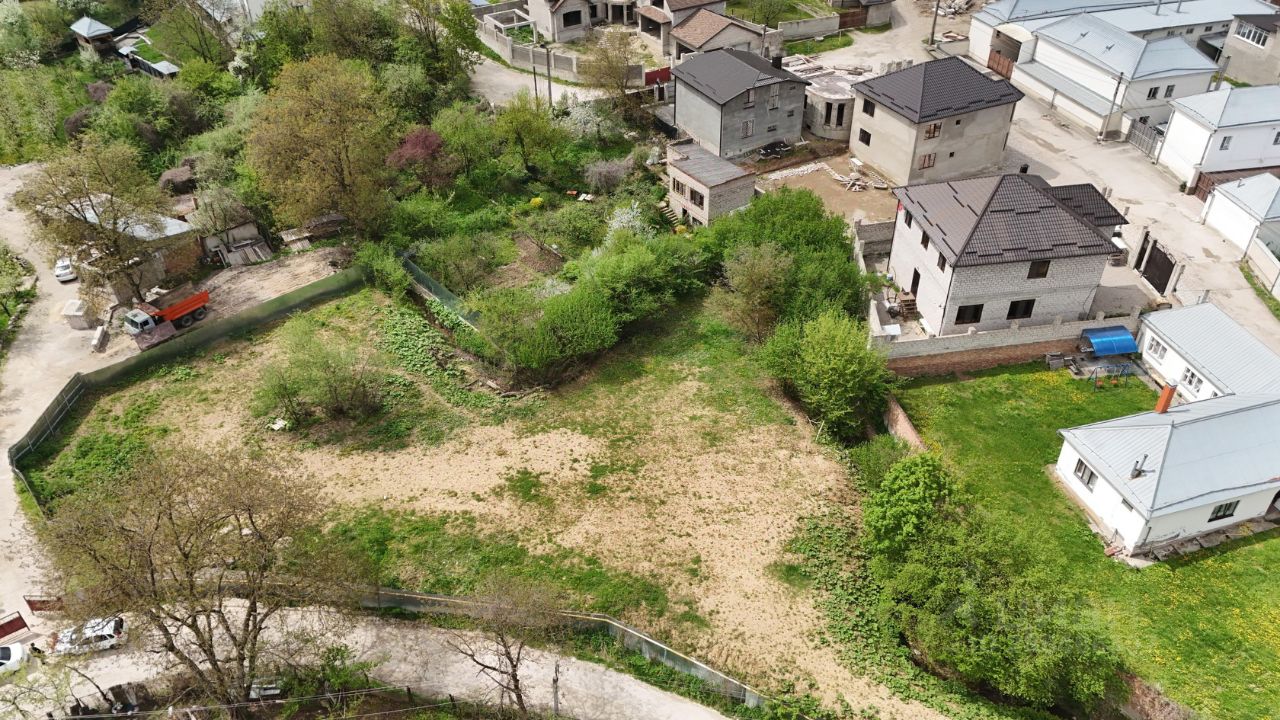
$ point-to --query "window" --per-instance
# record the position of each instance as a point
(957, 123)
(907, 218)
(840, 115)
(864, 137)
(1020, 309)
(968, 314)
(1086, 474)
(1168, 91)
(1039, 269)
(697, 198)
(748, 128)
(933, 130)
(1144, 119)
(677, 186)
(1253, 34)
(751, 97)
(928, 160)
(774, 89)
(1156, 349)
(1276, 140)
(573, 18)
(924, 240)
(1224, 511)
(826, 116)
(1153, 93)
(1226, 143)
(1208, 28)
(594, 12)
(792, 113)
(942, 262)
(771, 128)
(1191, 380)
(951, 155)
(868, 108)
(1190, 30)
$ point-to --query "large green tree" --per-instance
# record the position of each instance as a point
(97, 203)
(320, 141)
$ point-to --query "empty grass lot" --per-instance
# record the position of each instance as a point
(1206, 629)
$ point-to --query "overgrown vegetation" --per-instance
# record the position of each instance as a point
(811, 47)
(1272, 303)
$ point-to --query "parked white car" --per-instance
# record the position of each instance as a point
(64, 271)
(13, 657)
(93, 636)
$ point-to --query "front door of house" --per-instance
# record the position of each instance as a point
(915, 282)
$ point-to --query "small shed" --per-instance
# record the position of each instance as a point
(93, 37)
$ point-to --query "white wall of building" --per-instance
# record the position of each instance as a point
(980, 40)
(1096, 79)
(1184, 146)
(1251, 146)
(907, 255)
(1103, 502)
(1171, 366)
(1234, 222)
(1065, 106)
(1195, 521)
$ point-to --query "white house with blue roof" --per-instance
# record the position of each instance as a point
(1234, 128)
(1104, 77)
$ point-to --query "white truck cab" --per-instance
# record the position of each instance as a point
(136, 321)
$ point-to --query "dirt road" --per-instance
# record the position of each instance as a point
(498, 83)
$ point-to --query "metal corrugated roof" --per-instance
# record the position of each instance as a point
(1196, 454)
(1006, 10)
(1003, 218)
(1174, 14)
(938, 89)
(90, 28)
(1231, 106)
(1218, 348)
(1104, 44)
(1258, 195)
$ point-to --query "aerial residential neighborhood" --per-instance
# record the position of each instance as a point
(635, 359)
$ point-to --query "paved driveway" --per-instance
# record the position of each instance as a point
(1065, 154)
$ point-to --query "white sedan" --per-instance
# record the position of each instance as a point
(93, 636)
(12, 658)
(64, 271)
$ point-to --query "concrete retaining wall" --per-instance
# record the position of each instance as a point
(480, 12)
(527, 57)
(810, 27)
(1265, 266)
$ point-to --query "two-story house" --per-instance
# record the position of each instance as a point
(1224, 130)
(705, 30)
(1253, 48)
(702, 186)
(733, 102)
(986, 252)
(933, 121)
(659, 17)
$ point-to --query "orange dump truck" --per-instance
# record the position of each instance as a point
(151, 323)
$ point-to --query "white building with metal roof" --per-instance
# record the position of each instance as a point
(1245, 209)
(1164, 477)
(1234, 128)
(1206, 353)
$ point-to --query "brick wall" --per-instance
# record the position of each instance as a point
(981, 359)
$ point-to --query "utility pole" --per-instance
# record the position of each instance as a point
(550, 99)
(933, 29)
(1102, 131)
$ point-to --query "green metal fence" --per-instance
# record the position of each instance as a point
(441, 293)
(333, 286)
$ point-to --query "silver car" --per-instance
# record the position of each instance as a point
(12, 658)
(64, 271)
(93, 636)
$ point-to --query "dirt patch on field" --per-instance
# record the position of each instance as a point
(867, 205)
(240, 288)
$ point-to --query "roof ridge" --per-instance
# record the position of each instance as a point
(1164, 453)
(983, 213)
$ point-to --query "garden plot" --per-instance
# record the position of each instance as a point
(661, 487)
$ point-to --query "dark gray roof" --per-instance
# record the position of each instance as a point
(686, 4)
(938, 89)
(1266, 22)
(1010, 218)
(724, 74)
(705, 167)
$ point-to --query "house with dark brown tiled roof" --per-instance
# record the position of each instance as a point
(704, 31)
(659, 17)
(989, 252)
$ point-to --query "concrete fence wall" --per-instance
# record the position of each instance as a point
(874, 238)
(527, 57)
(480, 12)
(1264, 264)
(810, 27)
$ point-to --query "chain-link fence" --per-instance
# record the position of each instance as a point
(441, 293)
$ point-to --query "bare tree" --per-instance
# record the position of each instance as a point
(46, 684)
(608, 61)
(768, 12)
(199, 27)
(205, 549)
(514, 613)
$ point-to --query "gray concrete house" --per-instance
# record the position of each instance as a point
(1254, 50)
(702, 186)
(987, 252)
(933, 121)
(733, 102)
(562, 20)
(659, 17)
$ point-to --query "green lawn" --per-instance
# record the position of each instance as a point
(1205, 629)
(811, 47)
(1263, 294)
(745, 9)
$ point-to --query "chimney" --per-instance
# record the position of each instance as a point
(1139, 467)
(1024, 168)
(1166, 397)
(777, 61)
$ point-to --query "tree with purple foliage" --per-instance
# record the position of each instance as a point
(422, 154)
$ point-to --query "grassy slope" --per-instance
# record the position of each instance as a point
(1206, 629)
